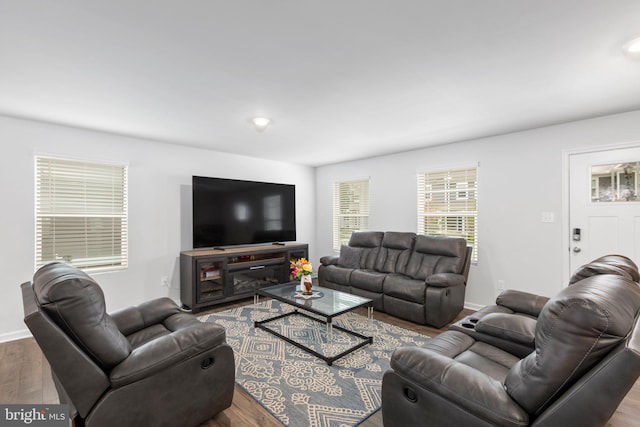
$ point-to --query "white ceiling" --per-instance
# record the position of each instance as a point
(341, 79)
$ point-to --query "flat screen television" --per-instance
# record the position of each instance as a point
(230, 212)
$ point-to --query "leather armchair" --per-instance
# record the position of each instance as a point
(586, 358)
(510, 323)
(150, 365)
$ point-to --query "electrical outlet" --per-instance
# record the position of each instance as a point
(500, 285)
(164, 282)
(547, 217)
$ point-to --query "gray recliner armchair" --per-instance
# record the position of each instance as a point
(510, 323)
(150, 365)
(586, 358)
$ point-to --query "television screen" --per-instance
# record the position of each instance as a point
(233, 212)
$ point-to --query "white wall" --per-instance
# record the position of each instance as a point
(159, 206)
(520, 176)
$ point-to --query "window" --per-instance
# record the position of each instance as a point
(81, 213)
(350, 210)
(615, 182)
(448, 205)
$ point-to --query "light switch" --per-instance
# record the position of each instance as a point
(548, 217)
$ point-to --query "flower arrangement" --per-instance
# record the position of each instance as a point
(301, 267)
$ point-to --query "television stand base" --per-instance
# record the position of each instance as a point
(214, 276)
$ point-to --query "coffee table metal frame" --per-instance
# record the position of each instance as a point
(288, 289)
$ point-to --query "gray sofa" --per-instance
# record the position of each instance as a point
(584, 360)
(413, 277)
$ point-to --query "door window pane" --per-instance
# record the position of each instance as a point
(615, 182)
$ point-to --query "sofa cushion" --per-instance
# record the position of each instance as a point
(405, 288)
(349, 257)
(436, 254)
(574, 331)
(458, 347)
(369, 242)
(622, 262)
(600, 267)
(337, 274)
(76, 303)
(370, 280)
(522, 302)
(511, 327)
(394, 252)
(366, 239)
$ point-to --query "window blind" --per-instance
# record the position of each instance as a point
(350, 210)
(81, 213)
(448, 205)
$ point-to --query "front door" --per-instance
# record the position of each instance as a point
(604, 206)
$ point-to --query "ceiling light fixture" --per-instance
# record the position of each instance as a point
(260, 123)
(633, 47)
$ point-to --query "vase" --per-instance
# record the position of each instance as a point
(306, 284)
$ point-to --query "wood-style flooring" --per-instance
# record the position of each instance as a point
(25, 377)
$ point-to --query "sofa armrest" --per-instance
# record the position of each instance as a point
(165, 351)
(461, 384)
(445, 280)
(329, 260)
(510, 327)
(522, 302)
(133, 319)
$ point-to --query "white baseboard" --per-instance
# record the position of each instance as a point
(17, 335)
(471, 306)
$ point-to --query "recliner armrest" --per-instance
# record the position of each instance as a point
(444, 280)
(133, 319)
(329, 260)
(510, 327)
(463, 385)
(522, 302)
(165, 351)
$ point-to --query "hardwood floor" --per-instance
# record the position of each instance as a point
(25, 377)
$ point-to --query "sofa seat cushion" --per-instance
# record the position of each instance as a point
(369, 280)
(405, 288)
(460, 347)
(337, 274)
(168, 326)
(145, 335)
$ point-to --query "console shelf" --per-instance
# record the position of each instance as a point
(214, 276)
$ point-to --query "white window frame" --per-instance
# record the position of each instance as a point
(358, 210)
(447, 194)
(81, 213)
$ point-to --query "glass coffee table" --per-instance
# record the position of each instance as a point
(325, 303)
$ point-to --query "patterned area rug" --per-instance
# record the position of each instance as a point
(299, 389)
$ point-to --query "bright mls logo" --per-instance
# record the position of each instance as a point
(34, 415)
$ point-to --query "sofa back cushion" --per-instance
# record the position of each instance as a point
(75, 302)
(575, 330)
(349, 257)
(436, 254)
(608, 264)
(394, 252)
(369, 243)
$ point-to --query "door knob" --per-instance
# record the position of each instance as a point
(576, 249)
